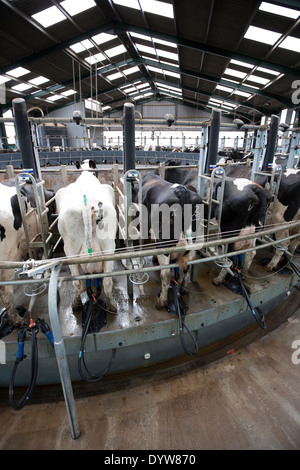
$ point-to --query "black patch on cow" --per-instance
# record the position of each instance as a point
(289, 195)
(16, 212)
(2, 232)
(99, 220)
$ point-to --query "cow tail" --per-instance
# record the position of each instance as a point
(87, 222)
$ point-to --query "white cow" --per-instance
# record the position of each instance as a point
(13, 246)
(87, 223)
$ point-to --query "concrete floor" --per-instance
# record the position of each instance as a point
(248, 399)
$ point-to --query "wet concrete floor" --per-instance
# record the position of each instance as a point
(248, 399)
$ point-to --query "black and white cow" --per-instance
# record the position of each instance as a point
(284, 209)
(13, 246)
(171, 212)
(244, 208)
(87, 223)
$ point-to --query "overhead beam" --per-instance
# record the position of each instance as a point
(119, 28)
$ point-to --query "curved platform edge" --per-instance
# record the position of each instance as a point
(143, 346)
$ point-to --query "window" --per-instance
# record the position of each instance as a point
(73, 7)
(278, 10)
(235, 73)
(93, 59)
(21, 87)
(256, 79)
(115, 50)
(291, 43)
(149, 6)
(18, 72)
(82, 46)
(262, 35)
(49, 16)
(39, 80)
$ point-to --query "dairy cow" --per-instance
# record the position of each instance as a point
(13, 246)
(87, 223)
(284, 209)
(171, 217)
(244, 208)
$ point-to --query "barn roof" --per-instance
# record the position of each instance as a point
(242, 57)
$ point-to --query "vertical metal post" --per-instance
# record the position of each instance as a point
(24, 137)
(258, 151)
(213, 140)
(61, 353)
(202, 161)
(295, 138)
(271, 144)
(128, 137)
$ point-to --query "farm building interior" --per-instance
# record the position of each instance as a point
(137, 87)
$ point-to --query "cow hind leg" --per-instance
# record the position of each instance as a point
(165, 277)
(272, 265)
(108, 286)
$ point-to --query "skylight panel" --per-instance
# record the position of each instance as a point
(82, 46)
(243, 64)
(224, 88)
(256, 79)
(49, 16)
(291, 43)
(242, 93)
(262, 35)
(154, 69)
(168, 55)
(128, 3)
(213, 100)
(235, 73)
(229, 105)
(114, 76)
(172, 74)
(278, 10)
(166, 43)
(131, 70)
(101, 38)
(68, 92)
(158, 8)
(140, 36)
(142, 85)
(149, 6)
(73, 7)
(18, 72)
(272, 72)
(39, 80)
(21, 87)
(54, 97)
(4, 79)
(93, 59)
(129, 90)
(147, 49)
(115, 50)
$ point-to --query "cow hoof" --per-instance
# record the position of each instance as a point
(216, 281)
(16, 321)
(112, 306)
(160, 304)
(269, 268)
(183, 290)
